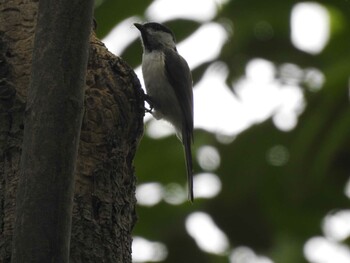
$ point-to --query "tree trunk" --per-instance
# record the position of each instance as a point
(104, 200)
(52, 126)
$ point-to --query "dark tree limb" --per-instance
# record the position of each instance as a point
(51, 133)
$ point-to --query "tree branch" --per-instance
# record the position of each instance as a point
(51, 133)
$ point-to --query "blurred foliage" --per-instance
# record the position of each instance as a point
(272, 209)
(108, 13)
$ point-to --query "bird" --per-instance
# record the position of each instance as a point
(168, 83)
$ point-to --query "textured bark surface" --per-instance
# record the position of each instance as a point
(17, 25)
(104, 203)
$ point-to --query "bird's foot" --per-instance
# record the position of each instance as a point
(148, 99)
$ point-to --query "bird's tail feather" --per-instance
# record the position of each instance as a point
(187, 140)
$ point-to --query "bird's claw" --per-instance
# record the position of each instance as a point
(149, 110)
(149, 101)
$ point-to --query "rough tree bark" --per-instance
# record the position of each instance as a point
(104, 200)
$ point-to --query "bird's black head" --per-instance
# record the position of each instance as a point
(156, 36)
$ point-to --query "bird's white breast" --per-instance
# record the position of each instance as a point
(159, 88)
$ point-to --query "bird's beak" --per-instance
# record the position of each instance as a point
(138, 26)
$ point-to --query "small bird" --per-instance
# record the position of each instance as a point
(168, 83)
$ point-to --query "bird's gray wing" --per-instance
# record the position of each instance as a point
(179, 76)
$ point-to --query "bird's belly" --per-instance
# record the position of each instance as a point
(160, 91)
